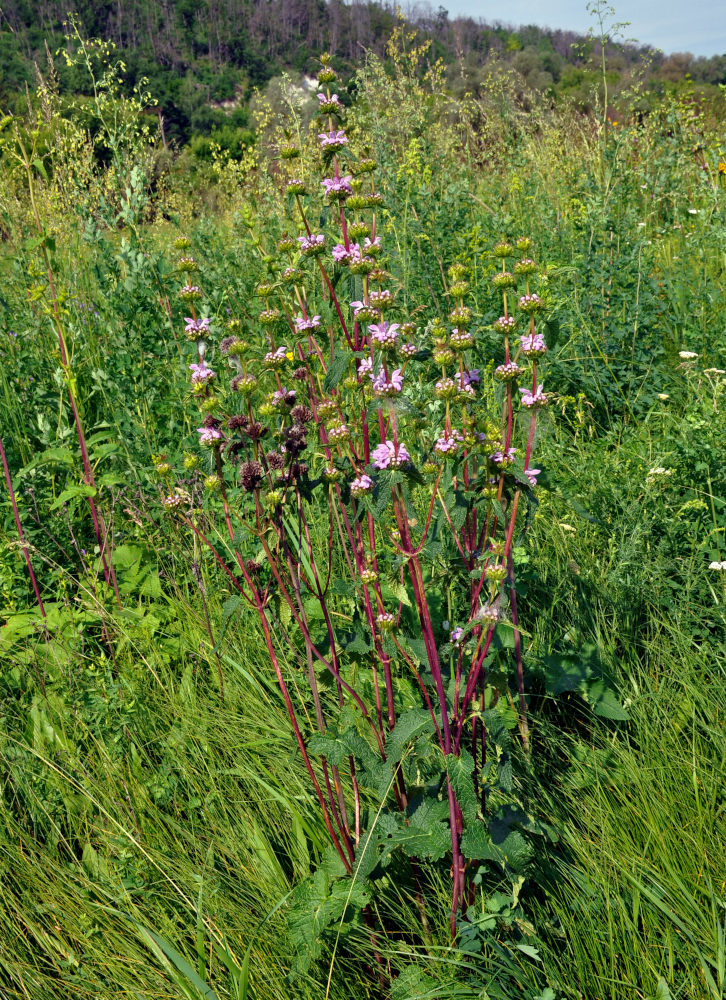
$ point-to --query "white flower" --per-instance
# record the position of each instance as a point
(660, 471)
(717, 565)
(663, 396)
(687, 355)
(693, 211)
(714, 371)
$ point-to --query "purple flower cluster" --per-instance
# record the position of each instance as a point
(385, 334)
(333, 140)
(196, 327)
(331, 103)
(201, 374)
(312, 243)
(533, 345)
(500, 458)
(361, 485)
(310, 323)
(383, 386)
(449, 441)
(209, 435)
(387, 454)
(337, 186)
(532, 399)
(466, 380)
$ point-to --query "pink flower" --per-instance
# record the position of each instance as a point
(530, 399)
(531, 475)
(384, 333)
(209, 435)
(499, 458)
(332, 140)
(201, 374)
(338, 185)
(366, 367)
(312, 243)
(383, 386)
(387, 454)
(532, 344)
(196, 326)
(302, 324)
(447, 442)
(360, 485)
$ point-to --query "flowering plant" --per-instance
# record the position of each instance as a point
(369, 477)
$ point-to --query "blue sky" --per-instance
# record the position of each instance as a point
(697, 26)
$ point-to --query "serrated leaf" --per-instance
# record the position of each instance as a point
(408, 727)
(461, 774)
(337, 369)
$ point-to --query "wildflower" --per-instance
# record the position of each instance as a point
(531, 475)
(338, 433)
(268, 317)
(506, 373)
(504, 280)
(717, 565)
(534, 399)
(310, 323)
(531, 303)
(460, 315)
(246, 384)
(533, 345)
(366, 367)
(495, 572)
(501, 459)
(446, 388)
(503, 249)
(460, 339)
(337, 187)
(329, 105)
(363, 313)
(487, 613)
(331, 475)
(296, 186)
(408, 350)
(196, 328)
(505, 324)
(201, 374)
(385, 334)
(368, 576)
(387, 454)
(525, 266)
(361, 485)
(467, 380)
(342, 254)
(386, 621)
(383, 386)
(209, 436)
(565, 526)
(714, 371)
(687, 355)
(448, 441)
(312, 245)
(663, 396)
(190, 293)
(335, 139)
(251, 475)
(381, 299)
(456, 635)
(278, 357)
(372, 247)
(173, 501)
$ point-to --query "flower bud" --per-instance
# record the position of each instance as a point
(503, 250)
(504, 280)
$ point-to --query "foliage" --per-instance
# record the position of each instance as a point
(158, 835)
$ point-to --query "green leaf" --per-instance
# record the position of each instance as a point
(409, 727)
(82, 490)
(164, 949)
(461, 774)
(338, 368)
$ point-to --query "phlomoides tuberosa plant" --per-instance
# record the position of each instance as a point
(367, 478)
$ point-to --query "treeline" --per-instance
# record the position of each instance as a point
(203, 58)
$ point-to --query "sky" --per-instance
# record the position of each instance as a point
(697, 26)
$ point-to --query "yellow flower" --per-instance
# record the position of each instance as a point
(721, 167)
